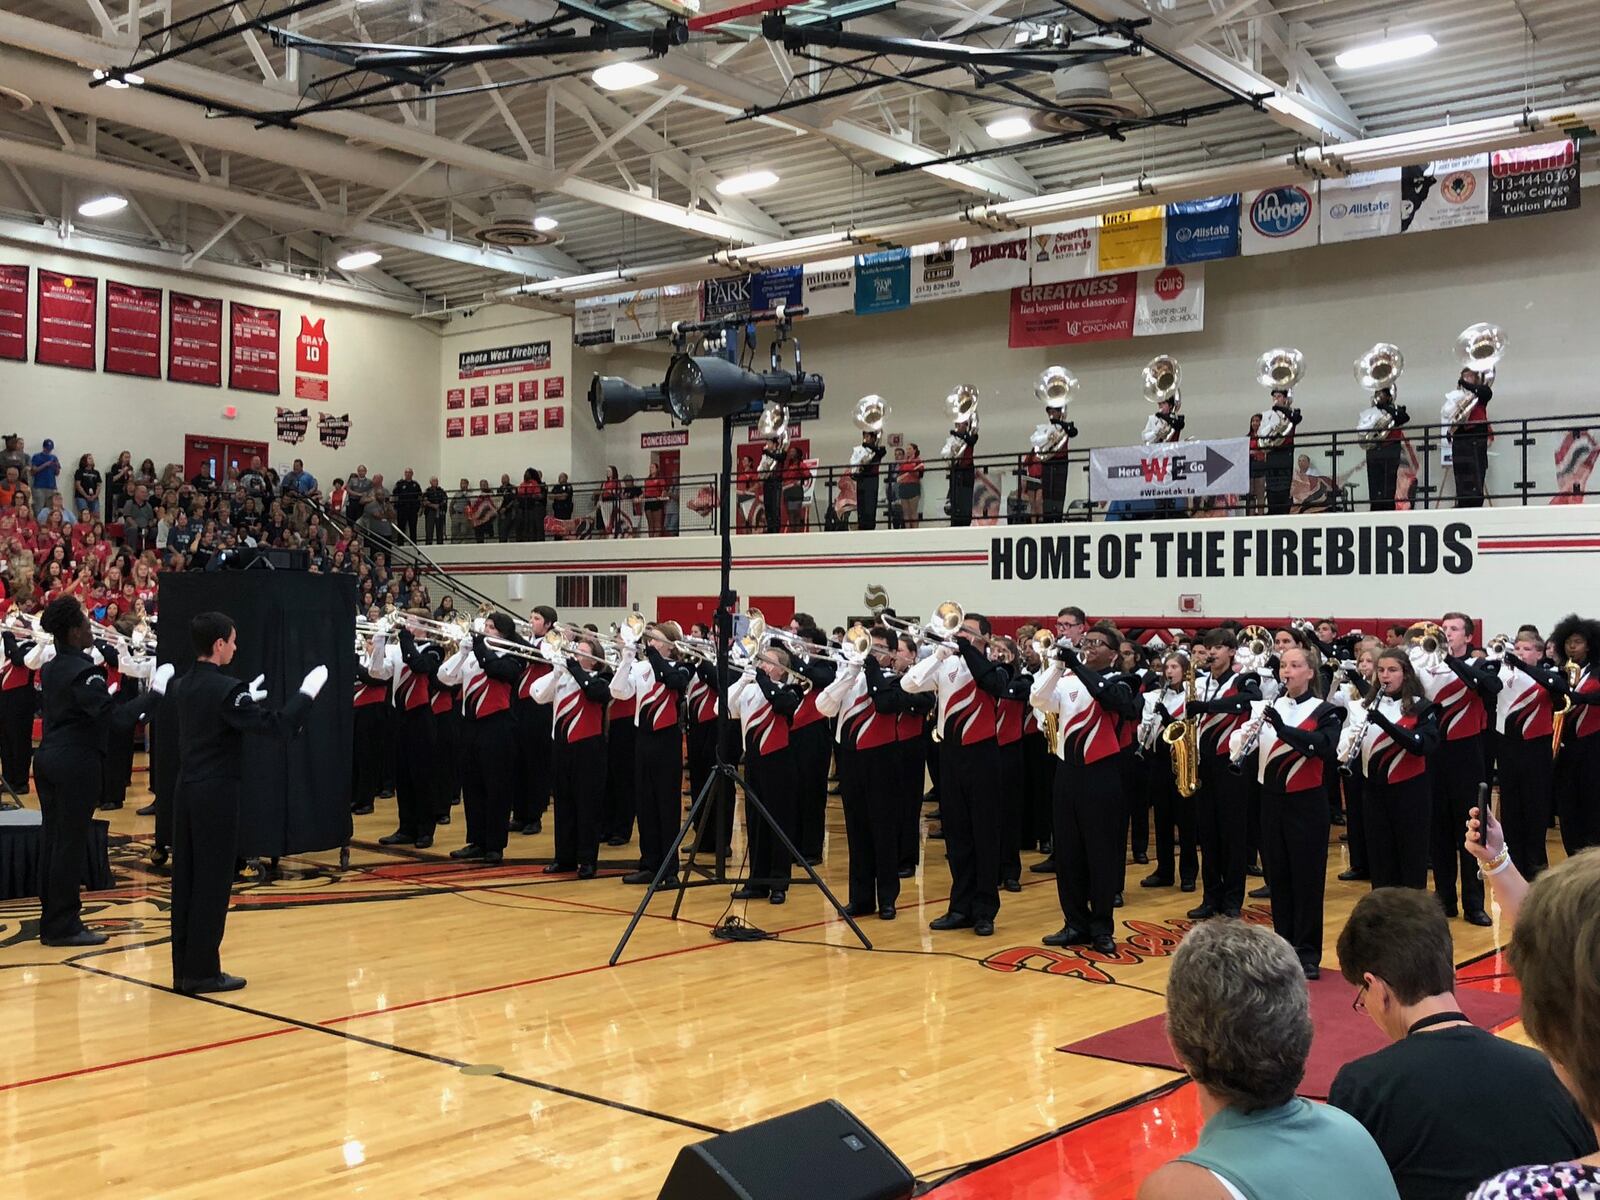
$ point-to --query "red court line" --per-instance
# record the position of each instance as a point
(131, 1062)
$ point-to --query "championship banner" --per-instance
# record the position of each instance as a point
(333, 431)
(555, 387)
(311, 387)
(527, 420)
(1170, 471)
(504, 393)
(1533, 179)
(830, 287)
(636, 318)
(194, 340)
(593, 321)
(780, 285)
(252, 348)
(723, 298)
(1364, 204)
(455, 398)
(1171, 300)
(967, 266)
(1203, 230)
(133, 331)
(455, 427)
(292, 425)
(503, 422)
(1133, 238)
(14, 313)
(504, 360)
(527, 391)
(66, 319)
(1445, 194)
(311, 347)
(555, 416)
(883, 281)
(480, 425)
(1065, 250)
(480, 396)
(1280, 218)
(1065, 314)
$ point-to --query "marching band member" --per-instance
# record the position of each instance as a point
(532, 720)
(765, 703)
(1525, 719)
(963, 475)
(16, 710)
(1577, 770)
(1401, 731)
(1056, 466)
(967, 685)
(1352, 779)
(1299, 734)
(1038, 758)
(488, 753)
(578, 689)
(410, 669)
(1131, 661)
(1464, 691)
(1383, 458)
(1162, 706)
(1009, 711)
(812, 744)
(866, 474)
(447, 718)
(1469, 440)
(1163, 425)
(911, 733)
(622, 745)
(649, 674)
(1280, 458)
(715, 828)
(1224, 698)
(369, 698)
(1097, 710)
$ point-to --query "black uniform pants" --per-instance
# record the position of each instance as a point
(700, 754)
(1526, 775)
(970, 813)
(1294, 846)
(1383, 469)
(387, 724)
(1173, 812)
(616, 817)
(1039, 777)
(1355, 811)
(414, 772)
(1055, 489)
(1399, 818)
(579, 771)
(532, 796)
(1458, 770)
(1577, 788)
(205, 843)
(446, 774)
(772, 502)
(1013, 802)
(1280, 474)
(118, 771)
(870, 784)
(961, 483)
(715, 827)
(69, 780)
(1136, 803)
(867, 501)
(488, 777)
(812, 745)
(1220, 820)
(911, 773)
(406, 515)
(772, 778)
(1469, 455)
(658, 788)
(1089, 860)
(366, 764)
(16, 736)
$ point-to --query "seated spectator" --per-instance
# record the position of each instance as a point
(1239, 1021)
(1396, 948)
(53, 504)
(11, 486)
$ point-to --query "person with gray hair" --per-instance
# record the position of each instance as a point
(1239, 1021)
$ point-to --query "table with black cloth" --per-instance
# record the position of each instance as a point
(20, 835)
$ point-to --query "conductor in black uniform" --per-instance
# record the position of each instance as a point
(80, 714)
(214, 711)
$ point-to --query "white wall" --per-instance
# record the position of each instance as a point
(1533, 276)
(382, 371)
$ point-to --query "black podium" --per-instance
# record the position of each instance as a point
(296, 794)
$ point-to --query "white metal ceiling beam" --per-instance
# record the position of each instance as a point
(1303, 69)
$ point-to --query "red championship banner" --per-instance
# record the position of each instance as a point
(133, 330)
(527, 420)
(66, 319)
(555, 387)
(555, 416)
(253, 348)
(309, 387)
(527, 391)
(502, 422)
(194, 340)
(311, 347)
(14, 313)
(455, 398)
(480, 424)
(455, 427)
(480, 397)
(503, 393)
(1076, 310)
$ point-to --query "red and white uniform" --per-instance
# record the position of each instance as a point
(1279, 764)
(576, 716)
(1384, 759)
(1089, 730)
(1461, 710)
(765, 729)
(1217, 728)
(861, 726)
(966, 713)
(1524, 709)
(654, 704)
(481, 696)
(409, 690)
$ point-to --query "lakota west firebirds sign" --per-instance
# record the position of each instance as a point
(504, 360)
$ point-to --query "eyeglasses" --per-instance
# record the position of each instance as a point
(1359, 1004)
(1091, 643)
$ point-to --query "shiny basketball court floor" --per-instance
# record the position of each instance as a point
(414, 1028)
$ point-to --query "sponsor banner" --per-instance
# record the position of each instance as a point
(1065, 314)
(1365, 204)
(636, 317)
(309, 387)
(1176, 469)
(455, 427)
(504, 422)
(503, 393)
(455, 398)
(780, 285)
(133, 330)
(292, 425)
(883, 281)
(555, 387)
(527, 391)
(1280, 218)
(795, 430)
(194, 340)
(14, 313)
(1065, 250)
(593, 320)
(967, 266)
(333, 431)
(807, 410)
(480, 396)
(253, 348)
(505, 360)
(1533, 179)
(1171, 300)
(311, 347)
(1444, 194)
(664, 440)
(678, 302)
(1203, 230)
(830, 287)
(555, 416)
(479, 423)
(1133, 238)
(527, 420)
(65, 312)
(722, 298)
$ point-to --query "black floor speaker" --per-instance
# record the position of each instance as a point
(816, 1153)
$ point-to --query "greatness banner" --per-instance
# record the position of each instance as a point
(1070, 313)
(66, 317)
(14, 313)
(133, 330)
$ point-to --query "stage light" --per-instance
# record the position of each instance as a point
(702, 388)
(1381, 54)
(102, 206)
(1006, 129)
(620, 76)
(358, 260)
(750, 181)
(613, 400)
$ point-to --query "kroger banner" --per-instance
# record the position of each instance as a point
(1170, 471)
(1202, 230)
(1365, 204)
(1280, 218)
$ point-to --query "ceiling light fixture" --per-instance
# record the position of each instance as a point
(359, 260)
(1005, 129)
(545, 224)
(122, 80)
(750, 181)
(102, 206)
(1390, 50)
(619, 76)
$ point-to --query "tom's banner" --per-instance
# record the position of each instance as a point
(1172, 471)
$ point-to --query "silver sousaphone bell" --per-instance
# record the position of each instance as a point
(962, 405)
(1377, 370)
(1479, 348)
(1278, 371)
(869, 415)
(1055, 389)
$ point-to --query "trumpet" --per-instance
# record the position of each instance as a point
(1242, 742)
(551, 644)
(1497, 647)
(1427, 643)
(24, 623)
(453, 632)
(755, 654)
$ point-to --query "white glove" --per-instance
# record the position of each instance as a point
(479, 625)
(256, 691)
(138, 637)
(162, 677)
(629, 638)
(944, 651)
(96, 657)
(312, 683)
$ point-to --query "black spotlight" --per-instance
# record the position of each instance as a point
(613, 400)
(708, 387)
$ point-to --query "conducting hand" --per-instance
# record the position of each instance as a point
(257, 692)
(312, 683)
(162, 677)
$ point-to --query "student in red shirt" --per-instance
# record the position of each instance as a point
(795, 476)
(655, 501)
(909, 493)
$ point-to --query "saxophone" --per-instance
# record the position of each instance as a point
(1558, 719)
(1183, 741)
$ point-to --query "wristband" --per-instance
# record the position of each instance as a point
(1495, 865)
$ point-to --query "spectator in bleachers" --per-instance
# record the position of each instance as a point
(407, 497)
(14, 456)
(435, 501)
(138, 519)
(86, 487)
(44, 471)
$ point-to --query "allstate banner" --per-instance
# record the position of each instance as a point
(1203, 230)
(1280, 218)
(1444, 194)
(883, 281)
(1365, 204)
(1132, 239)
(1171, 300)
(1170, 471)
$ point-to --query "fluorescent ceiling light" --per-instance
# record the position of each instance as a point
(750, 181)
(1390, 50)
(545, 224)
(127, 80)
(619, 76)
(1006, 128)
(358, 260)
(102, 206)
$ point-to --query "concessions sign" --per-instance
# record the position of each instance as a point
(664, 439)
(14, 313)
(66, 316)
(1074, 311)
(253, 348)
(504, 360)
(133, 330)
(194, 340)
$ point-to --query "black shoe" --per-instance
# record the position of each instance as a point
(1478, 917)
(749, 892)
(639, 877)
(159, 855)
(1156, 879)
(493, 858)
(1311, 970)
(423, 842)
(1254, 870)
(396, 839)
(1336, 819)
(386, 794)
(1186, 886)
(534, 826)
(951, 920)
(587, 871)
(906, 872)
(1104, 945)
(217, 983)
(109, 806)
(1066, 936)
(1046, 846)
(84, 937)
(556, 869)
(886, 913)
(617, 841)
(1047, 867)
(1231, 913)
(444, 820)
(1203, 912)
(513, 826)
(1264, 892)
(1116, 901)
(363, 810)
(778, 896)
(983, 927)
(859, 910)
(470, 850)
(1344, 837)
(149, 810)
(1352, 875)
(1142, 859)
(1449, 906)
(936, 835)
(1011, 885)
(813, 860)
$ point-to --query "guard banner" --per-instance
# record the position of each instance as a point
(133, 330)
(1534, 179)
(14, 313)
(1364, 204)
(1203, 230)
(1065, 250)
(66, 319)
(830, 287)
(253, 348)
(194, 340)
(1280, 218)
(1173, 470)
(1133, 238)
(883, 281)
(1445, 194)
(1171, 300)
(1065, 314)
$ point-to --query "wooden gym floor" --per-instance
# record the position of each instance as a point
(419, 1029)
